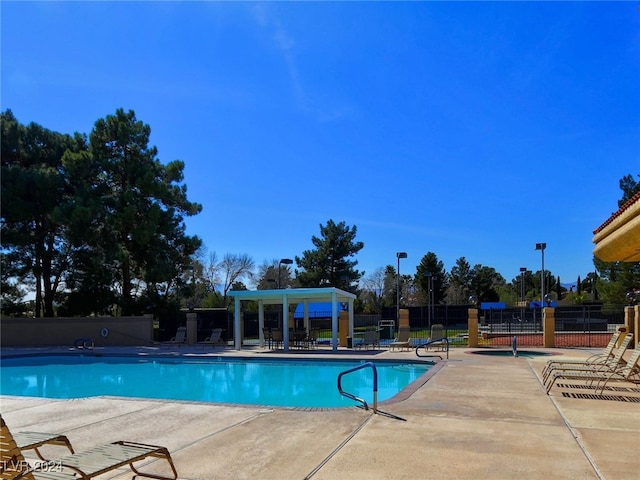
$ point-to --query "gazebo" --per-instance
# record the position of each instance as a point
(286, 297)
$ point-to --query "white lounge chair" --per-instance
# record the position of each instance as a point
(213, 339)
(606, 355)
(622, 372)
(610, 362)
(179, 339)
(86, 464)
(402, 340)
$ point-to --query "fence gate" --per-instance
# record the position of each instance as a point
(498, 326)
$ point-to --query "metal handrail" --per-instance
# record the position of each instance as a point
(375, 385)
(429, 342)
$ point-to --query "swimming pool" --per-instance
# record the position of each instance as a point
(283, 383)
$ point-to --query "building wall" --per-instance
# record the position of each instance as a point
(104, 331)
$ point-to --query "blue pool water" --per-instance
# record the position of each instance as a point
(285, 383)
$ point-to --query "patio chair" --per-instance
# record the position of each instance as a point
(437, 333)
(402, 340)
(276, 338)
(370, 338)
(266, 334)
(212, 339)
(86, 464)
(179, 339)
(312, 339)
(612, 362)
(297, 338)
(35, 440)
(13, 464)
(622, 372)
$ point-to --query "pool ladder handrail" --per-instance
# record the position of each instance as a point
(430, 342)
(375, 385)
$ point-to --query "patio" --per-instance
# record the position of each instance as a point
(478, 417)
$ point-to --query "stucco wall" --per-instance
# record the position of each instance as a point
(124, 331)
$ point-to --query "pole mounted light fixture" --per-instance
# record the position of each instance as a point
(541, 247)
(523, 270)
(284, 261)
(399, 255)
(430, 298)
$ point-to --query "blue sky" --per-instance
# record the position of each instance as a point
(464, 129)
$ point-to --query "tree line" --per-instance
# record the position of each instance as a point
(91, 224)
(94, 224)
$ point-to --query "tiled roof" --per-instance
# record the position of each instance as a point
(619, 212)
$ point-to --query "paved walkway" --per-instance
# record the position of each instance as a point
(477, 417)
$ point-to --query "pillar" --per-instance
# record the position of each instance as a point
(351, 318)
(629, 316)
(192, 328)
(334, 321)
(473, 327)
(343, 328)
(237, 322)
(150, 319)
(261, 322)
(404, 318)
(636, 325)
(549, 327)
(306, 323)
(285, 322)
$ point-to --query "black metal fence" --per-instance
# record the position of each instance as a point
(589, 325)
(451, 321)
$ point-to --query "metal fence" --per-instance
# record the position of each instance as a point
(588, 325)
(576, 325)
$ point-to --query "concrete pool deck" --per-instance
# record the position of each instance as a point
(478, 417)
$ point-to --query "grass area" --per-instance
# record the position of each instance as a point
(456, 337)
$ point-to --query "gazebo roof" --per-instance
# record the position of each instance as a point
(294, 295)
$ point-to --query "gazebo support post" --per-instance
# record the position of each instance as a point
(285, 322)
(236, 324)
(261, 322)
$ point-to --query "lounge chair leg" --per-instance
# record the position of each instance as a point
(167, 457)
(550, 384)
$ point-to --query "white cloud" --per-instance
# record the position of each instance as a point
(325, 110)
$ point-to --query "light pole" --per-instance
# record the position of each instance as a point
(192, 293)
(284, 261)
(399, 255)
(430, 296)
(432, 289)
(541, 247)
(523, 270)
